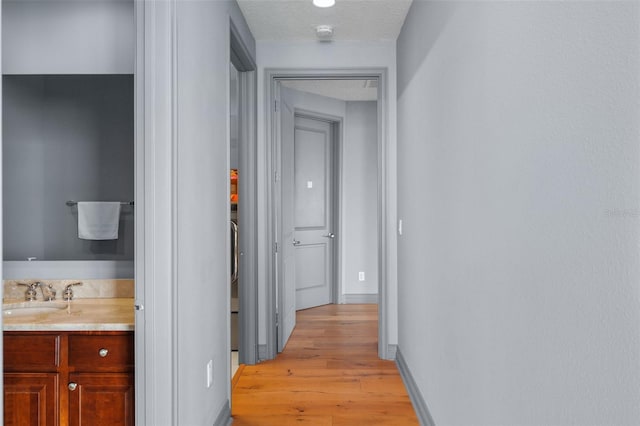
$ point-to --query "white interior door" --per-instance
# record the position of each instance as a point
(314, 233)
(287, 287)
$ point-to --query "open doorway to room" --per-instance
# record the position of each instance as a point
(234, 224)
(69, 209)
(327, 196)
(242, 203)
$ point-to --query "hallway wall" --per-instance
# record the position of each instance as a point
(519, 264)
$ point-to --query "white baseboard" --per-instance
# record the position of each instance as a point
(224, 416)
(419, 404)
(348, 299)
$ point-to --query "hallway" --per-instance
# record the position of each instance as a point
(328, 374)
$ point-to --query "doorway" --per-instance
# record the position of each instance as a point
(234, 204)
(314, 207)
(243, 302)
(278, 306)
(308, 208)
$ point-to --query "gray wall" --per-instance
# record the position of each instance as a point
(360, 198)
(65, 138)
(68, 37)
(519, 262)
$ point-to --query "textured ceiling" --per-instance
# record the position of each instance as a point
(352, 19)
(345, 90)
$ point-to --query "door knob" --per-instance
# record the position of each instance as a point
(330, 235)
(73, 386)
(296, 242)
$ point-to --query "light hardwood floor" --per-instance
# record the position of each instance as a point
(329, 374)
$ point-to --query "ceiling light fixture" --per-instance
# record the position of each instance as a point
(324, 3)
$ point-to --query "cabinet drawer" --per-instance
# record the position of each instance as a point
(101, 353)
(31, 352)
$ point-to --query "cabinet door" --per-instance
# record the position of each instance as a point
(101, 399)
(31, 399)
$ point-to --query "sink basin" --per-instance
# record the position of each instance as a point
(31, 308)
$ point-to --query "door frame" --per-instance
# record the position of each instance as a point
(272, 77)
(247, 213)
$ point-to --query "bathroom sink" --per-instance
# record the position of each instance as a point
(31, 308)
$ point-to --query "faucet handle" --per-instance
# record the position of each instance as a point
(68, 291)
(30, 292)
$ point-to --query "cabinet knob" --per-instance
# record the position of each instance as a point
(103, 352)
(73, 386)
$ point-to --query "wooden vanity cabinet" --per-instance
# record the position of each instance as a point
(68, 378)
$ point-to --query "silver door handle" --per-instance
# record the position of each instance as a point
(330, 235)
(234, 259)
(296, 242)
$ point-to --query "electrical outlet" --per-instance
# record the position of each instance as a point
(361, 276)
(210, 373)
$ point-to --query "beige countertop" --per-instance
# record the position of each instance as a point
(107, 314)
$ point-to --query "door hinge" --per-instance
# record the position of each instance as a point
(276, 106)
(277, 319)
(276, 176)
(275, 247)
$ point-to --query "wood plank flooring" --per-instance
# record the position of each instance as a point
(329, 374)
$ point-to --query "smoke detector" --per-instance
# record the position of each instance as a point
(324, 32)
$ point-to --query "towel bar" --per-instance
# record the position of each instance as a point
(122, 203)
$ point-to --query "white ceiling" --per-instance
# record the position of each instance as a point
(352, 19)
(345, 90)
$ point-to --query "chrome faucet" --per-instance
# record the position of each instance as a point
(30, 293)
(48, 292)
(68, 291)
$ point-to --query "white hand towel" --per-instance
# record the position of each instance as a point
(98, 220)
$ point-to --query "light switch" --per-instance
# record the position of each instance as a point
(309, 184)
(210, 373)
